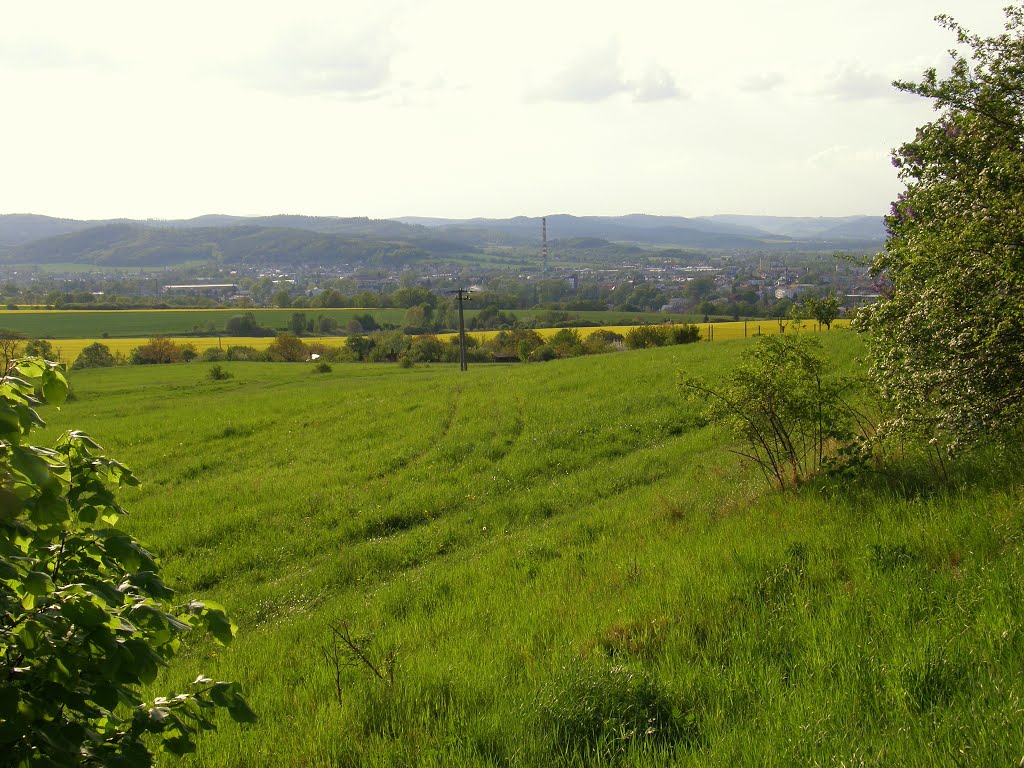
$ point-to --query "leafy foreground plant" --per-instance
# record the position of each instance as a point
(84, 618)
(791, 415)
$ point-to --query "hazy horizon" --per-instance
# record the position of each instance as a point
(439, 218)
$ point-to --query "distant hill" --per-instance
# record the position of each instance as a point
(870, 228)
(295, 239)
(133, 244)
(712, 232)
(20, 228)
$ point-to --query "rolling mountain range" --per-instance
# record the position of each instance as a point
(293, 239)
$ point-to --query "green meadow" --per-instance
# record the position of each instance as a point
(142, 323)
(562, 564)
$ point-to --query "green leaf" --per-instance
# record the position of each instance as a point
(106, 696)
(178, 745)
(9, 698)
(54, 387)
(7, 570)
(31, 466)
(215, 620)
(241, 712)
(38, 583)
(128, 552)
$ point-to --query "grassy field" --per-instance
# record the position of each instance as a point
(569, 567)
(141, 323)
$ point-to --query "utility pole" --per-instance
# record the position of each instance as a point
(461, 295)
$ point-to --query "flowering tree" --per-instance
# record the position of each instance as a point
(947, 338)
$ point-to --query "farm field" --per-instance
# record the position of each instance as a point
(142, 323)
(69, 349)
(728, 331)
(117, 323)
(569, 566)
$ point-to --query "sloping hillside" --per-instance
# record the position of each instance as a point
(132, 244)
(566, 566)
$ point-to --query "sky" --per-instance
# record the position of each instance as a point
(463, 108)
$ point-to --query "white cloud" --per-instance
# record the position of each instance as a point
(828, 157)
(762, 82)
(48, 54)
(305, 60)
(598, 76)
(595, 76)
(657, 84)
(852, 82)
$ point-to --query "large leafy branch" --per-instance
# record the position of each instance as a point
(85, 620)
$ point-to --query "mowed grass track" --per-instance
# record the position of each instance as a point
(570, 566)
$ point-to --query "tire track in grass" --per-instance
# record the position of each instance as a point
(397, 521)
(401, 461)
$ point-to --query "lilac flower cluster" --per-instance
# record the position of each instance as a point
(901, 211)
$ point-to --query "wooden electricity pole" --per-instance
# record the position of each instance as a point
(461, 295)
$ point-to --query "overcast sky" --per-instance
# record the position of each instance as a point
(462, 108)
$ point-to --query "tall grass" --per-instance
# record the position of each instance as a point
(569, 567)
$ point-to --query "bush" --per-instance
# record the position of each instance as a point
(780, 402)
(245, 325)
(287, 348)
(322, 367)
(326, 325)
(683, 334)
(160, 349)
(646, 336)
(325, 352)
(603, 340)
(542, 354)
(95, 355)
(216, 373)
(425, 349)
(360, 346)
(388, 346)
(41, 348)
(566, 343)
(240, 352)
(213, 355)
(87, 621)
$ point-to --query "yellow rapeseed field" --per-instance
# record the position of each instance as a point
(69, 349)
(708, 331)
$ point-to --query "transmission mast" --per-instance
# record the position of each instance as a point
(544, 242)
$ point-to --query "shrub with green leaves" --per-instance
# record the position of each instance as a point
(217, 373)
(85, 620)
(645, 336)
(95, 355)
(781, 401)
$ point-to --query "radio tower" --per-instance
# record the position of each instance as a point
(544, 242)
